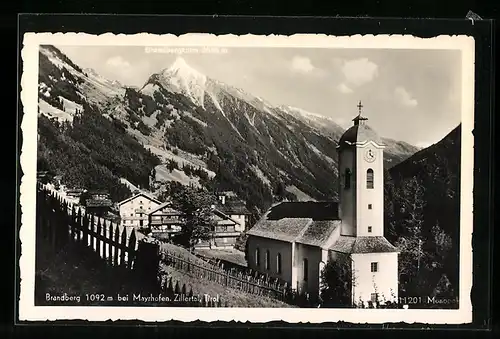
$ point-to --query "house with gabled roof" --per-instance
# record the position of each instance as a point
(134, 210)
(165, 219)
(293, 241)
(235, 209)
(97, 202)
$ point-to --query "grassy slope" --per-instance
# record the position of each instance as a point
(233, 255)
(233, 297)
(81, 272)
(77, 273)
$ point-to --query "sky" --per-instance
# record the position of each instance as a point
(408, 95)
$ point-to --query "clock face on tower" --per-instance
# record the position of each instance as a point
(370, 155)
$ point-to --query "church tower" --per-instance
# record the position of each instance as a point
(361, 174)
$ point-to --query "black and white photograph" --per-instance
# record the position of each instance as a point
(180, 177)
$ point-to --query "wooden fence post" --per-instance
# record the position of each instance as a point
(97, 237)
(132, 242)
(170, 288)
(123, 250)
(78, 224)
(116, 238)
(90, 239)
(109, 235)
(72, 223)
(147, 263)
(56, 221)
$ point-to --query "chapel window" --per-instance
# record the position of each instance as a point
(306, 269)
(374, 266)
(257, 257)
(268, 260)
(278, 263)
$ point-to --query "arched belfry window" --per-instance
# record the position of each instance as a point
(369, 178)
(347, 178)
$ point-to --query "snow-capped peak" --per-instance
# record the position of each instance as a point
(295, 110)
(180, 77)
(315, 119)
(180, 65)
(91, 71)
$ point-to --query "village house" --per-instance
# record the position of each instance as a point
(134, 210)
(74, 195)
(231, 219)
(164, 219)
(293, 241)
(98, 202)
(231, 216)
(228, 204)
(225, 232)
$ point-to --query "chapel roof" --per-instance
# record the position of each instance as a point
(367, 244)
(310, 223)
(317, 210)
(318, 232)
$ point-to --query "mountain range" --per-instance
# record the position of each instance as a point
(184, 126)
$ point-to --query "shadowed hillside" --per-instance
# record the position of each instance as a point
(422, 215)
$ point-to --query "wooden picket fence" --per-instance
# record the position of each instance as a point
(60, 223)
(260, 285)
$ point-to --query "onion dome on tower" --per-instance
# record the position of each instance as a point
(359, 133)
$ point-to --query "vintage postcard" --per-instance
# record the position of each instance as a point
(179, 177)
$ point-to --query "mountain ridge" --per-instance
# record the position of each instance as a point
(209, 129)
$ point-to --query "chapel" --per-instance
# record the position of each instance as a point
(293, 241)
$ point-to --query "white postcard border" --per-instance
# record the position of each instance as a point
(29, 82)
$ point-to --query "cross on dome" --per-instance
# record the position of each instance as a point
(359, 119)
(360, 106)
